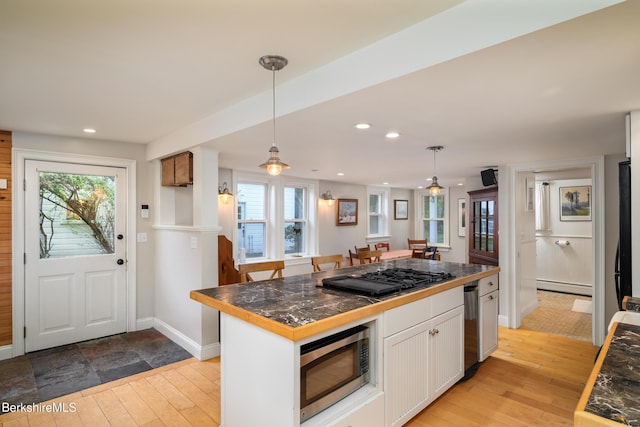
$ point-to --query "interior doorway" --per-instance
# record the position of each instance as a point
(564, 250)
(521, 297)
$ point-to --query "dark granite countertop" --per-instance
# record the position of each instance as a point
(633, 304)
(616, 389)
(298, 306)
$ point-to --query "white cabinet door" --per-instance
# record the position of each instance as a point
(406, 373)
(446, 351)
(488, 318)
(421, 363)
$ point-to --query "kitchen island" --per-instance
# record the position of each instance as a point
(264, 324)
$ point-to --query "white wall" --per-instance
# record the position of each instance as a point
(565, 268)
(459, 248)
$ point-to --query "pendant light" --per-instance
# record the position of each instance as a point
(434, 188)
(273, 165)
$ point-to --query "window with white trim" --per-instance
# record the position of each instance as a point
(252, 219)
(276, 217)
(377, 212)
(434, 222)
(295, 220)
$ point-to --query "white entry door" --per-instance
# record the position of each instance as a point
(75, 253)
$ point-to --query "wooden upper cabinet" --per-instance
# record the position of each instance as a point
(483, 226)
(177, 171)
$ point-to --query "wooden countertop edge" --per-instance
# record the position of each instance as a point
(305, 331)
(581, 418)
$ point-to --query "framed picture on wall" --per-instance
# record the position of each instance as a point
(400, 209)
(347, 212)
(575, 203)
(462, 217)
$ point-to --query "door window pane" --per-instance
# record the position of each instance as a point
(77, 214)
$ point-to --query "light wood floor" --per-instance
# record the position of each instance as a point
(533, 379)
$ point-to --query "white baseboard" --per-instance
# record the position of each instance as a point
(6, 352)
(200, 352)
(145, 323)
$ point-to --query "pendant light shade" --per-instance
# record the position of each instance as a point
(274, 165)
(434, 188)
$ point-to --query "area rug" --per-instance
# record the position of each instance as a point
(582, 306)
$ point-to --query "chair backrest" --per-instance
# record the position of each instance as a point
(364, 248)
(336, 259)
(418, 247)
(353, 258)
(275, 266)
(369, 256)
(381, 245)
(417, 244)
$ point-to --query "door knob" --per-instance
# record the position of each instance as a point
(120, 237)
(120, 261)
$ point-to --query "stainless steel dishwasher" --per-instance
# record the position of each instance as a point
(471, 330)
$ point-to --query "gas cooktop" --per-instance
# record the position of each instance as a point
(387, 281)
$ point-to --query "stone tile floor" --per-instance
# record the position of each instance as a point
(554, 316)
(47, 374)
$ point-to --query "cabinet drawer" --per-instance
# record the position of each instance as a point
(445, 301)
(403, 317)
(488, 284)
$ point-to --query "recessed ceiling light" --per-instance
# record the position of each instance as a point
(385, 183)
(340, 174)
(89, 130)
(429, 179)
(392, 135)
(362, 126)
(420, 186)
(460, 184)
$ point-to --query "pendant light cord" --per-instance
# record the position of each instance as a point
(273, 91)
(435, 172)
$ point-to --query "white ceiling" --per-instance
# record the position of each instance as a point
(147, 71)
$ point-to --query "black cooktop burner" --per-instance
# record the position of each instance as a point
(386, 281)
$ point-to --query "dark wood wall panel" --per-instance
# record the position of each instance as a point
(5, 241)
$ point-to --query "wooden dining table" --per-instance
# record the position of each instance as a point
(396, 254)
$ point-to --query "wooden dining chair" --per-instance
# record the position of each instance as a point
(275, 267)
(384, 245)
(353, 258)
(336, 259)
(421, 249)
(369, 257)
(417, 246)
(364, 248)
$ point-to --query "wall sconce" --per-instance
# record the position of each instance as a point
(328, 197)
(224, 194)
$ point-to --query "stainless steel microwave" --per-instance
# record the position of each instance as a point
(331, 368)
